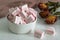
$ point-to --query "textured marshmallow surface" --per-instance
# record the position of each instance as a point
(27, 14)
(39, 34)
(51, 31)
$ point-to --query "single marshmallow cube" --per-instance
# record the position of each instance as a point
(17, 8)
(28, 12)
(25, 7)
(26, 20)
(16, 11)
(33, 12)
(39, 34)
(24, 13)
(51, 31)
(20, 15)
(17, 20)
(11, 10)
(24, 10)
(23, 22)
(31, 18)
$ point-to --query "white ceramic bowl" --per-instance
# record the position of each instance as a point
(22, 28)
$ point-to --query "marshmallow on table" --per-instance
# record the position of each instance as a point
(39, 34)
(50, 31)
(17, 20)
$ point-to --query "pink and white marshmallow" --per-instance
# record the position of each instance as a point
(39, 34)
(24, 13)
(11, 10)
(51, 31)
(24, 10)
(25, 7)
(31, 18)
(17, 20)
(23, 22)
(16, 11)
(33, 12)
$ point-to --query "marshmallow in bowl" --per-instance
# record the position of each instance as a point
(31, 18)
(16, 11)
(24, 13)
(23, 22)
(17, 20)
(11, 10)
(27, 14)
(33, 12)
(25, 7)
(51, 31)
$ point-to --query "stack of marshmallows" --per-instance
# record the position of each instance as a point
(23, 14)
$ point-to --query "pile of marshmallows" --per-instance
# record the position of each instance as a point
(23, 14)
(40, 34)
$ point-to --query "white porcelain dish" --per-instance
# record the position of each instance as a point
(23, 28)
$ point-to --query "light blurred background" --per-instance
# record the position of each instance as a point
(4, 4)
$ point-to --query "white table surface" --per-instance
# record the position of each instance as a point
(5, 34)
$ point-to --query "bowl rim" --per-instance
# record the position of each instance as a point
(23, 24)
